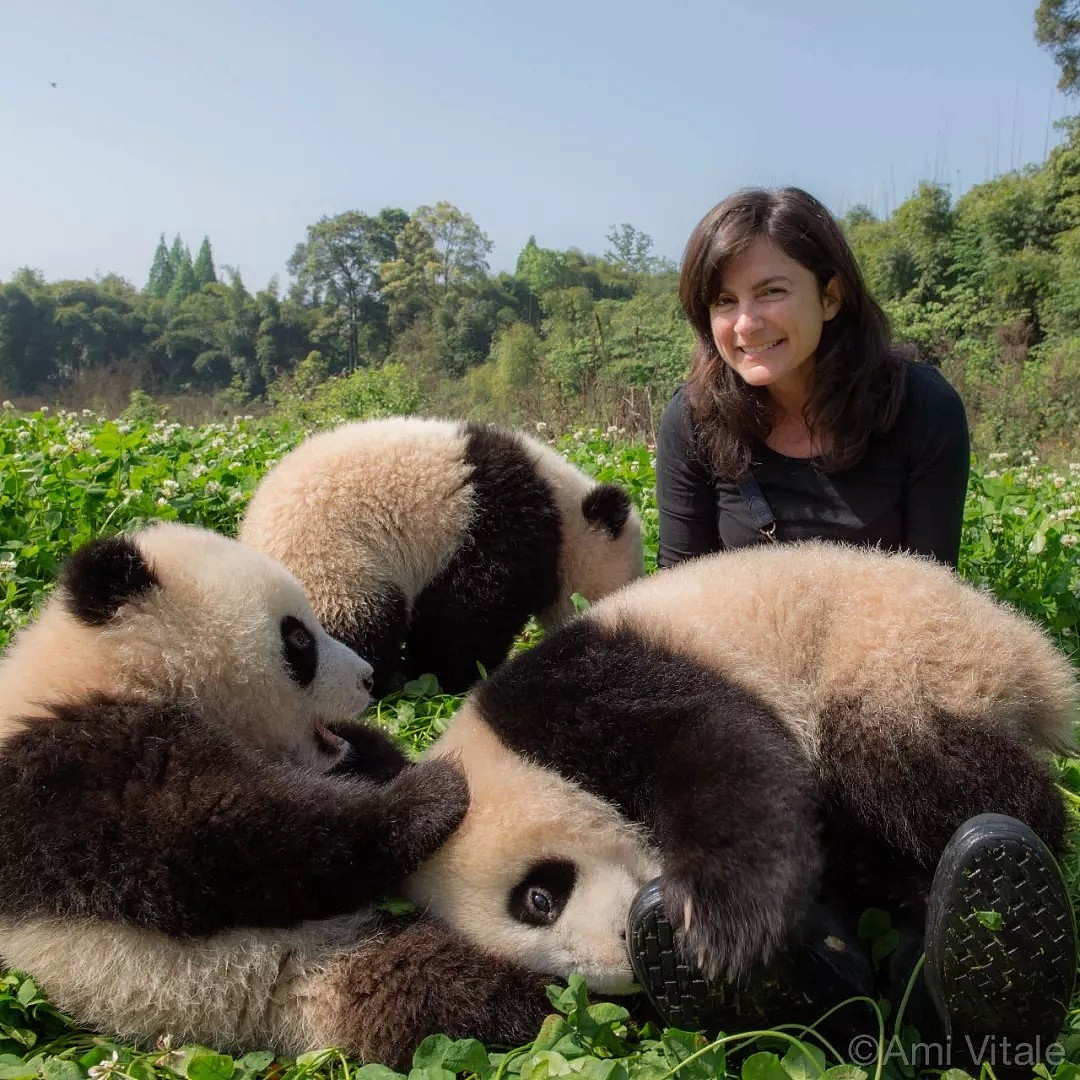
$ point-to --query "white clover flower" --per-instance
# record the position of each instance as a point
(88, 412)
(999, 456)
(169, 487)
(1069, 540)
(7, 563)
(78, 439)
(213, 487)
(161, 501)
(1028, 454)
(993, 474)
(541, 426)
(7, 406)
(198, 470)
(236, 496)
(22, 435)
(124, 429)
(1059, 481)
(248, 416)
(44, 410)
(103, 1068)
(1020, 511)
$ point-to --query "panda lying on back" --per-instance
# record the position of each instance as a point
(172, 824)
(775, 717)
(440, 538)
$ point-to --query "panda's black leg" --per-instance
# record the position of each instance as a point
(418, 977)
(372, 754)
(145, 814)
(460, 620)
(735, 816)
(909, 786)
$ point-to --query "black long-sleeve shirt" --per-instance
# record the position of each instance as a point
(907, 493)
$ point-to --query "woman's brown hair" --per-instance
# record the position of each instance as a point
(857, 380)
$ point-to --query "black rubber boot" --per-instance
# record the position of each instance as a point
(800, 985)
(1000, 945)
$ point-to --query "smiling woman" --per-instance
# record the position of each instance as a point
(797, 409)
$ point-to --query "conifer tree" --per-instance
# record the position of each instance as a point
(161, 272)
(184, 282)
(204, 265)
(177, 253)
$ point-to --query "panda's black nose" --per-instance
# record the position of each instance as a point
(369, 682)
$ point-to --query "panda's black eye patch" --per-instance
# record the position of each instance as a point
(542, 894)
(300, 651)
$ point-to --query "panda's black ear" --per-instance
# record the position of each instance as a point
(607, 507)
(104, 575)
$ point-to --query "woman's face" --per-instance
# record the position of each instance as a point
(767, 320)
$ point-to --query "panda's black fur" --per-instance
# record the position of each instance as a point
(187, 810)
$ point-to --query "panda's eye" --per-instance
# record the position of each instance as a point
(540, 897)
(540, 904)
(301, 654)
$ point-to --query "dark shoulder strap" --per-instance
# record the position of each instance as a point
(758, 505)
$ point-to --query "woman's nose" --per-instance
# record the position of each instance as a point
(748, 321)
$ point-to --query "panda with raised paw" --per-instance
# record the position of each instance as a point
(183, 814)
(785, 724)
(441, 539)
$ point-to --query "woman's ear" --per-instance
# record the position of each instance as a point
(832, 299)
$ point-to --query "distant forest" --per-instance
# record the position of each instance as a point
(986, 285)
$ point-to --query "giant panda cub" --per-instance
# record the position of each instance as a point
(770, 718)
(440, 537)
(189, 845)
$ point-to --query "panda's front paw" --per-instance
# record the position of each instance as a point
(371, 754)
(425, 804)
(726, 931)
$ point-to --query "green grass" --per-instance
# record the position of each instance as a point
(67, 477)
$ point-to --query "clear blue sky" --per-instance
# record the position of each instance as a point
(248, 121)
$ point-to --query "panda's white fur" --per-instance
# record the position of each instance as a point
(728, 703)
(179, 860)
(209, 637)
(522, 815)
(803, 625)
(464, 528)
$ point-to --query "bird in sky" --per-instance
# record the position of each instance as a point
(53, 85)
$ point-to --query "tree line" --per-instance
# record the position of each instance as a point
(986, 285)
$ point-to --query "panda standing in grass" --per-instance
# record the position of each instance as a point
(425, 545)
(799, 732)
(189, 845)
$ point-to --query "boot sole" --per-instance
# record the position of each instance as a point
(1013, 982)
(686, 999)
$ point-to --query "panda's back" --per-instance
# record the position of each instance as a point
(811, 626)
(368, 502)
